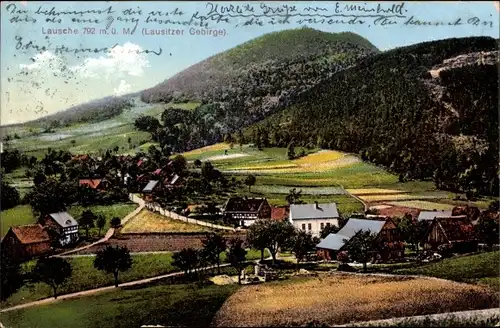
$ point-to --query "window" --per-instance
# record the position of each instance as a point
(322, 225)
(309, 226)
(303, 226)
(328, 224)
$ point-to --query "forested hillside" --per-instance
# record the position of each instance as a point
(265, 73)
(425, 111)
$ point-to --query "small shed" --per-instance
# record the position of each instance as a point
(456, 231)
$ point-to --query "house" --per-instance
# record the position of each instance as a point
(27, 241)
(313, 217)
(280, 213)
(98, 184)
(385, 229)
(64, 226)
(456, 231)
(430, 215)
(173, 181)
(244, 211)
(151, 187)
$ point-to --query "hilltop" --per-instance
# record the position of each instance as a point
(427, 111)
(264, 73)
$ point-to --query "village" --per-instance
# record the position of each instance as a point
(302, 232)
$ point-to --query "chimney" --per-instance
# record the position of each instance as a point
(317, 205)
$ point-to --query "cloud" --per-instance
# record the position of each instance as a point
(122, 89)
(119, 62)
(44, 61)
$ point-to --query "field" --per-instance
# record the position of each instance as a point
(171, 305)
(18, 215)
(340, 299)
(92, 137)
(423, 205)
(325, 175)
(483, 269)
(85, 276)
(147, 221)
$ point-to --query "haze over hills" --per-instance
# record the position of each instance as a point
(427, 111)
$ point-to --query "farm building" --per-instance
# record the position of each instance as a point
(456, 231)
(244, 211)
(430, 215)
(27, 241)
(386, 232)
(280, 213)
(313, 217)
(173, 181)
(64, 225)
(98, 184)
(152, 186)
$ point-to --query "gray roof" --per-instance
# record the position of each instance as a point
(354, 225)
(309, 211)
(150, 186)
(332, 241)
(63, 219)
(430, 215)
(335, 241)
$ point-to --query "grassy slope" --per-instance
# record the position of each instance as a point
(174, 305)
(322, 185)
(91, 137)
(85, 276)
(18, 215)
(481, 268)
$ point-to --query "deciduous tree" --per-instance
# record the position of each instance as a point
(113, 260)
(360, 247)
(54, 271)
(236, 255)
(213, 245)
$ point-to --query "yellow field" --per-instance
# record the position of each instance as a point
(219, 146)
(374, 191)
(319, 157)
(147, 221)
(392, 197)
(423, 205)
(340, 299)
(300, 168)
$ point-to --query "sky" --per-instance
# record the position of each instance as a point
(34, 84)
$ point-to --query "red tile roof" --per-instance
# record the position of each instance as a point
(279, 213)
(92, 183)
(31, 233)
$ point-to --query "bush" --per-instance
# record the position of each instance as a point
(445, 250)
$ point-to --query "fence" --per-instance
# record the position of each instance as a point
(156, 208)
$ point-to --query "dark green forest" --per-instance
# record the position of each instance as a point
(385, 109)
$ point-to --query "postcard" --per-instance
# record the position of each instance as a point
(249, 164)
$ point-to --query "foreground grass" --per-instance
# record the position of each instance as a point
(19, 215)
(85, 276)
(341, 299)
(147, 221)
(481, 269)
(169, 305)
